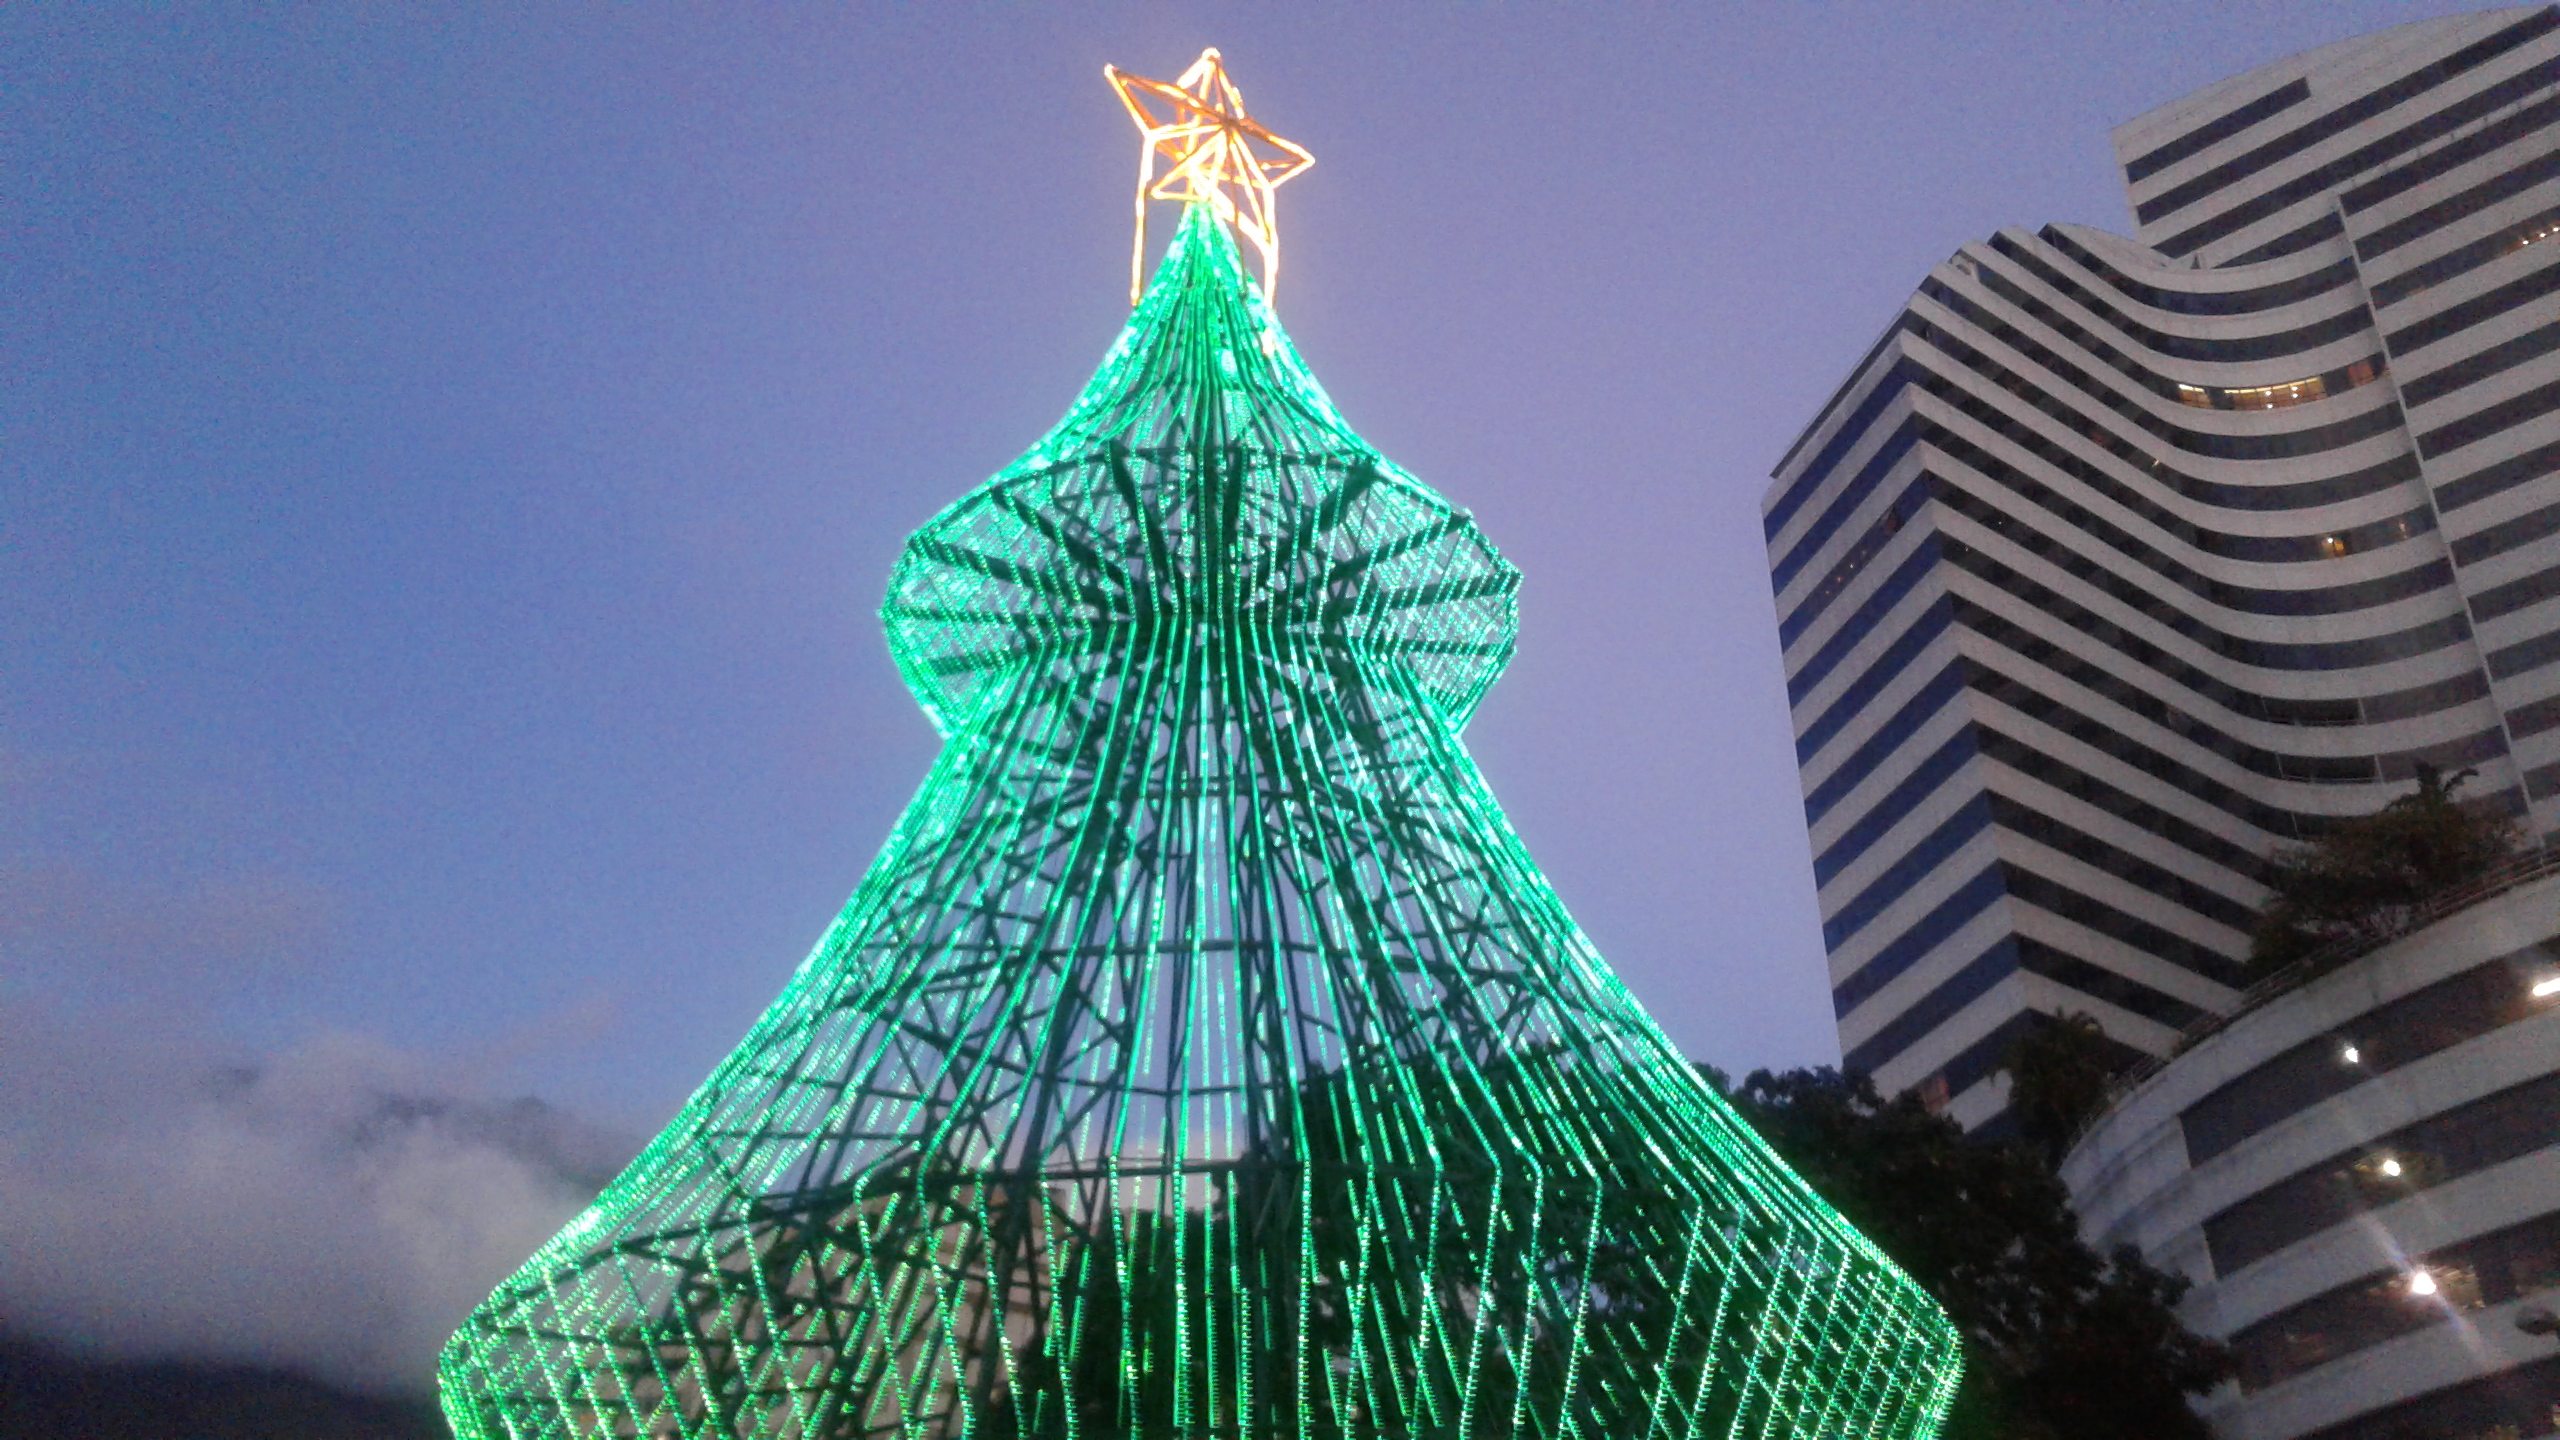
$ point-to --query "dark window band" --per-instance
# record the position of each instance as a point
(1862, 621)
(1993, 808)
(2486, 997)
(2102, 679)
(2324, 226)
(2218, 349)
(1977, 977)
(2506, 535)
(1927, 701)
(2090, 913)
(2523, 1402)
(2489, 304)
(2107, 740)
(1931, 623)
(1964, 395)
(2499, 477)
(2463, 259)
(2311, 655)
(1935, 1008)
(2533, 719)
(2496, 360)
(1951, 914)
(1852, 495)
(2308, 440)
(1959, 674)
(1857, 373)
(2005, 958)
(1900, 513)
(2480, 424)
(1990, 1053)
(2100, 983)
(2517, 594)
(2344, 599)
(2489, 1269)
(2214, 132)
(1908, 869)
(2447, 1146)
(2542, 781)
(1823, 463)
(2142, 699)
(2091, 791)
(1889, 808)
(2505, 131)
(2346, 117)
(2026, 759)
(2525, 656)
(2155, 880)
(2202, 302)
(2277, 549)
(2333, 382)
(2422, 223)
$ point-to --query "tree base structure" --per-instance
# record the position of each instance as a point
(1204, 1056)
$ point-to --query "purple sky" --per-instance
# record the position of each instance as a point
(449, 461)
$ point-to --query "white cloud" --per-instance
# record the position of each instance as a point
(331, 1210)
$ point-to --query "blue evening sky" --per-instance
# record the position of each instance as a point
(450, 458)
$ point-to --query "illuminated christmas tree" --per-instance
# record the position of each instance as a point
(1204, 1055)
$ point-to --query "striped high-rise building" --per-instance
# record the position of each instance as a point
(2116, 563)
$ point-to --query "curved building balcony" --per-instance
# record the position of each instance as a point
(2361, 1175)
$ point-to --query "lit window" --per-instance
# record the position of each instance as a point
(2334, 545)
(2535, 236)
(2276, 397)
(2195, 395)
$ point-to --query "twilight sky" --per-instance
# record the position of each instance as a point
(450, 460)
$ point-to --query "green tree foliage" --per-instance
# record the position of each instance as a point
(2059, 1341)
(2059, 1072)
(2365, 879)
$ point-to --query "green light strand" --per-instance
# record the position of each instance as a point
(1204, 1055)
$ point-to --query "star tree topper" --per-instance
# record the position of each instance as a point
(1212, 144)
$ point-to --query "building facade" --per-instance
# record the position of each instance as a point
(2117, 563)
(2362, 1178)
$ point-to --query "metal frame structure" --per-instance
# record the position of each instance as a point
(1204, 1055)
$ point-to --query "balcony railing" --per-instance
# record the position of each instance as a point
(2524, 869)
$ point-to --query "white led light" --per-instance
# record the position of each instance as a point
(2351, 1055)
(2421, 1283)
(2391, 1168)
(2547, 988)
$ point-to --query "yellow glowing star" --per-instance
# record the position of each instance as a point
(1212, 144)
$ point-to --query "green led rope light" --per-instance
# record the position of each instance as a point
(1204, 1055)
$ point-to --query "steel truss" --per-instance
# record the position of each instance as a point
(1204, 1055)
